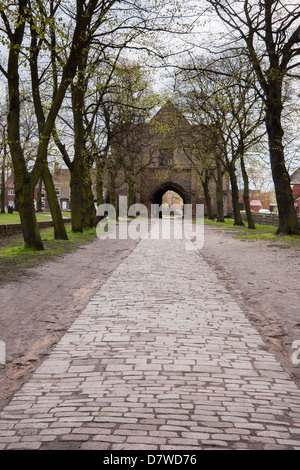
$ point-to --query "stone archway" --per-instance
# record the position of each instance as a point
(157, 195)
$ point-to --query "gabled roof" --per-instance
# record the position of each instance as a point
(295, 178)
(10, 182)
(61, 175)
(170, 113)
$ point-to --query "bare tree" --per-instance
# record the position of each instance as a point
(227, 102)
(87, 18)
(270, 30)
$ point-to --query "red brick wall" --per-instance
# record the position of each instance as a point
(296, 191)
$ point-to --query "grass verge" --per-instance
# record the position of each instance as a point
(261, 232)
(15, 259)
(14, 218)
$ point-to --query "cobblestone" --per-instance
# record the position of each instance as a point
(162, 357)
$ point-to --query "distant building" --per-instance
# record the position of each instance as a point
(255, 205)
(258, 200)
(61, 180)
(295, 185)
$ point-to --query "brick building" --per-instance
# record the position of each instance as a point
(61, 179)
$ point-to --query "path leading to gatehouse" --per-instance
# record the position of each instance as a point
(162, 357)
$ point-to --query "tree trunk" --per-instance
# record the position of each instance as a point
(75, 185)
(39, 196)
(30, 228)
(88, 210)
(99, 183)
(2, 196)
(78, 93)
(205, 184)
(251, 224)
(24, 188)
(235, 197)
(288, 223)
(58, 223)
(131, 195)
(219, 194)
(113, 191)
(16, 196)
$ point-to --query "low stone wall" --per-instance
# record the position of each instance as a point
(15, 229)
(265, 219)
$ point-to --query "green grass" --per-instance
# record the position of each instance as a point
(64, 214)
(261, 233)
(15, 217)
(15, 258)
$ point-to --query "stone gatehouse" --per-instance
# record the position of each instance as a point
(158, 157)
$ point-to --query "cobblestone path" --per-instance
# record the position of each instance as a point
(161, 358)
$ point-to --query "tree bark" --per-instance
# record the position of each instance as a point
(75, 185)
(99, 183)
(205, 185)
(2, 195)
(235, 197)
(250, 220)
(131, 195)
(25, 197)
(288, 223)
(39, 196)
(113, 190)
(219, 193)
(60, 232)
(88, 210)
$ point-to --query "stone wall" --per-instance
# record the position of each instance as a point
(265, 219)
(16, 229)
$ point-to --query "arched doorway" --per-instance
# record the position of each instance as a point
(172, 204)
(169, 200)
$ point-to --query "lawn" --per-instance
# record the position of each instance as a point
(15, 259)
(15, 217)
(261, 232)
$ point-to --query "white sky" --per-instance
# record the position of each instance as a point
(207, 29)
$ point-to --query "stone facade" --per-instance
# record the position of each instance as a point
(164, 164)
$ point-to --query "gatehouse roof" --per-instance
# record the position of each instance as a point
(295, 178)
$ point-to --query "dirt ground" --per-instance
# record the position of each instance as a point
(264, 279)
(36, 311)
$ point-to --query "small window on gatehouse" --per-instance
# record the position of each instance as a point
(166, 157)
